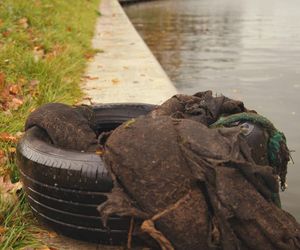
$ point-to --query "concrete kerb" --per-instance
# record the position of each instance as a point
(126, 71)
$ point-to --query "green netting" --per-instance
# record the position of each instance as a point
(276, 138)
(277, 149)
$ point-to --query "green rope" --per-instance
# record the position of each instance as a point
(276, 139)
(274, 146)
(247, 117)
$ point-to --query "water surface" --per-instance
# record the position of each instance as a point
(247, 50)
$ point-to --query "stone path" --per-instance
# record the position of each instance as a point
(126, 71)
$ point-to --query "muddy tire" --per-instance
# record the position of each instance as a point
(64, 187)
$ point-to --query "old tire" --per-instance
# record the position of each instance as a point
(64, 187)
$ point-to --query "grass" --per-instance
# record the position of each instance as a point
(44, 47)
(21, 226)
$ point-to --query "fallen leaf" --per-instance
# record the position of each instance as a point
(19, 134)
(89, 55)
(38, 53)
(33, 83)
(52, 234)
(6, 186)
(46, 234)
(22, 81)
(12, 154)
(2, 154)
(115, 81)
(15, 89)
(2, 80)
(10, 97)
(3, 158)
(91, 77)
(23, 22)
(56, 50)
(6, 33)
(8, 113)
(15, 103)
(1, 22)
(2, 230)
(33, 87)
(12, 150)
(6, 137)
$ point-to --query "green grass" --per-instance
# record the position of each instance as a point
(20, 226)
(44, 47)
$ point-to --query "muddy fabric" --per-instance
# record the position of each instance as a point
(195, 187)
(201, 107)
(68, 127)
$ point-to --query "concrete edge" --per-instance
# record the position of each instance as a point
(126, 71)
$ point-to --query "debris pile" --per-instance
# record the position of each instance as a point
(195, 182)
(197, 172)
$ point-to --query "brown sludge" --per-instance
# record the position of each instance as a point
(68, 127)
(192, 186)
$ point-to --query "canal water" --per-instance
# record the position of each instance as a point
(247, 50)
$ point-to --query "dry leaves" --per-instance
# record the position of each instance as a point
(115, 81)
(3, 158)
(6, 33)
(10, 94)
(89, 55)
(2, 230)
(15, 89)
(23, 22)
(33, 84)
(8, 190)
(6, 137)
(2, 80)
(56, 50)
(46, 234)
(6, 185)
(38, 53)
(91, 77)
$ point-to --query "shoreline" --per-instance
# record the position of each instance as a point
(125, 70)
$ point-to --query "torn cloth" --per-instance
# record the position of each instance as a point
(195, 187)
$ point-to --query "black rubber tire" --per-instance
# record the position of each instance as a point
(64, 187)
(73, 195)
(41, 161)
(101, 236)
